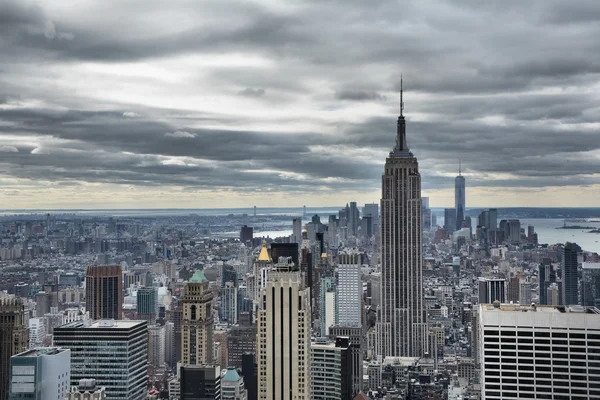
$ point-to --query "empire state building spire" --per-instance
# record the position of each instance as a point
(402, 317)
(401, 145)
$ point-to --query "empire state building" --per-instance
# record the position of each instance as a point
(402, 325)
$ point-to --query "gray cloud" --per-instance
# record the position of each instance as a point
(517, 106)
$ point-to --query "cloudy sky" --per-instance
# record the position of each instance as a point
(223, 103)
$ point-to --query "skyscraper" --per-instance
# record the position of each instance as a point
(569, 274)
(402, 326)
(283, 339)
(104, 292)
(449, 220)
(246, 233)
(197, 324)
(331, 370)
(14, 337)
(114, 353)
(40, 374)
(147, 304)
(199, 382)
(491, 290)
(349, 290)
(297, 231)
(459, 198)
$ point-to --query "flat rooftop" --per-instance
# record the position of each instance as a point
(104, 324)
(42, 351)
(540, 308)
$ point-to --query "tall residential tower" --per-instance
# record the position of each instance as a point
(402, 326)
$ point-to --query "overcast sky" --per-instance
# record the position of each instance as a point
(145, 103)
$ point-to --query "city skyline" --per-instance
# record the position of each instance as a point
(154, 105)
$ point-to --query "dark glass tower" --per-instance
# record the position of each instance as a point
(104, 292)
(569, 274)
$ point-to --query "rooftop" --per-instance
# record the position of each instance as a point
(42, 351)
(539, 308)
(104, 323)
(198, 277)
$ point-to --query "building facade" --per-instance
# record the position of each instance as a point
(283, 339)
(114, 353)
(402, 326)
(14, 337)
(104, 292)
(330, 370)
(570, 282)
(459, 199)
(349, 290)
(200, 382)
(40, 374)
(197, 326)
(539, 352)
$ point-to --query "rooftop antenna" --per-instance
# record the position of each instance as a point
(401, 102)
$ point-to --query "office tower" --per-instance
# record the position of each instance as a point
(349, 290)
(283, 339)
(262, 265)
(539, 352)
(228, 306)
(200, 382)
(104, 292)
(524, 293)
(249, 370)
(246, 234)
(332, 233)
(546, 276)
(285, 250)
(513, 288)
(372, 210)
(156, 345)
(232, 386)
(353, 216)
(40, 374)
(355, 336)
(553, 294)
(402, 326)
(147, 304)
(491, 290)
(590, 284)
(86, 390)
(366, 226)
(331, 370)
(14, 337)
(327, 304)
(569, 274)
(450, 220)
(241, 339)
(114, 353)
(297, 230)
(459, 198)
(426, 213)
(197, 324)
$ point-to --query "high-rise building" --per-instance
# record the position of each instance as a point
(147, 304)
(249, 372)
(553, 294)
(459, 199)
(232, 386)
(513, 288)
(241, 339)
(40, 374)
(104, 292)
(114, 353)
(353, 218)
(402, 326)
(450, 220)
(491, 290)
(590, 284)
(355, 336)
(327, 304)
(539, 352)
(228, 306)
(372, 210)
(331, 370)
(246, 234)
(569, 274)
(200, 382)
(197, 326)
(86, 390)
(297, 231)
(349, 290)
(285, 250)
(524, 292)
(283, 339)
(14, 337)
(156, 345)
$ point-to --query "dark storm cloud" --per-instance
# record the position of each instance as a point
(515, 101)
(358, 95)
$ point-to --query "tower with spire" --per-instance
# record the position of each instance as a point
(402, 325)
(459, 197)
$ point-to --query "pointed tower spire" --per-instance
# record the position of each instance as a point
(459, 167)
(401, 145)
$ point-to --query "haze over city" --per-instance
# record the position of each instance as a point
(239, 103)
